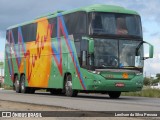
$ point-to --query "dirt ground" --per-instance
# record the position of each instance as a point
(15, 106)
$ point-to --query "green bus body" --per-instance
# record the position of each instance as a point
(74, 51)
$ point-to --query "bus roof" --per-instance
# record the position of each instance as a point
(104, 8)
(92, 8)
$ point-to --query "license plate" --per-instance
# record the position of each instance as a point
(119, 84)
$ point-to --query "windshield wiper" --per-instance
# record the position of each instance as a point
(131, 67)
(100, 34)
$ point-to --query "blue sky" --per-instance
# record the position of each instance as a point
(17, 11)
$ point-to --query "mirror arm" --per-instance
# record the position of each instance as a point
(139, 47)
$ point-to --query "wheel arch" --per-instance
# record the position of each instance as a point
(21, 75)
(15, 74)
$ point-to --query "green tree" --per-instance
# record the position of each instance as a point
(155, 81)
(1, 68)
(1, 65)
(147, 81)
(158, 75)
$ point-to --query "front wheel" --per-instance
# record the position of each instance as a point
(68, 87)
(17, 84)
(114, 94)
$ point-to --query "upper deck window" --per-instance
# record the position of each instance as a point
(76, 23)
(29, 32)
(114, 24)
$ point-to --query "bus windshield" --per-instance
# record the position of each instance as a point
(111, 53)
(114, 24)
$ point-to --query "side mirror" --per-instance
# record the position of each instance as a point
(151, 50)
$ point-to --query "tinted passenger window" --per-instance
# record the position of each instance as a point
(76, 23)
(29, 32)
(15, 35)
(53, 26)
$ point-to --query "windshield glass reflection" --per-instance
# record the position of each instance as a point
(115, 53)
(106, 53)
(115, 24)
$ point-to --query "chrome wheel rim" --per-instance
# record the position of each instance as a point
(22, 85)
(17, 84)
(68, 87)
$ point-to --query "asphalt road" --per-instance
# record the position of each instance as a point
(89, 102)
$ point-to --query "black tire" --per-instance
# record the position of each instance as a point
(114, 94)
(16, 85)
(14, 88)
(68, 87)
(24, 89)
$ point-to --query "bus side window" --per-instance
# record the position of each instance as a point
(53, 26)
(7, 36)
(15, 35)
(29, 32)
(67, 20)
(76, 23)
(79, 24)
(97, 22)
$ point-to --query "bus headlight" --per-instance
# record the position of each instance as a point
(94, 72)
(138, 74)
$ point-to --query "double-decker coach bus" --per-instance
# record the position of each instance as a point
(96, 49)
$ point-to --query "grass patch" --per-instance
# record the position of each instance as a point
(42, 90)
(7, 87)
(147, 92)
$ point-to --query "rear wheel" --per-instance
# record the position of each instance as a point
(17, 84)
(68, 87)
(24, 89)
(114, 95)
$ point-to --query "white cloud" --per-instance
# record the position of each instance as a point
(152, 68)
(159, 56)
